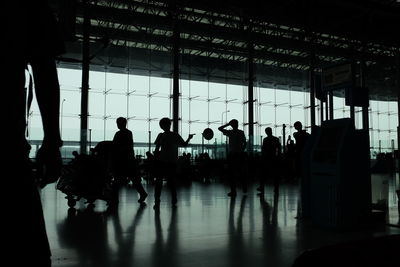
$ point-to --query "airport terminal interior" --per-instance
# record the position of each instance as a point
(333, 66)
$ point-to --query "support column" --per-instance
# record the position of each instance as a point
(321, 114)
(312, 88)
(398, 103)
(352, 113)
(351, 93)
(149, 145)
(251, 96)
(330, 99)
(365, 109)
(175, 88)
(85, 77)
(327, 103)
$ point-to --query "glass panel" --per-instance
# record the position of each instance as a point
(110, 128)
(282, 118)
(140, 131)
(199, 89)
(72, 103)
(96, 104)
(138, 106)
(35, 129)
(338, 107)
(71, 128)
(159, 107)
(235, 106)
(69, 78)
(199, 110)
(116, 105)
(97, 129)
(198, 128)
(97, 80)
(117, 82)
(140, 84)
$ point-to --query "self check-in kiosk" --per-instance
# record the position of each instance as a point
(336, 182)
(340, 184)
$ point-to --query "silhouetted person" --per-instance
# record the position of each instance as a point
(289, 159)
(75, 154)
(124, 161)
(271, 153)
(32, 38)
(149, 167)
(236, 156)
(75, 158)
(301, 137)
(167, 144)
(187, 167)
(205, 167)
(398, 203)
(290, 147)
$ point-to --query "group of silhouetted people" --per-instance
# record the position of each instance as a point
(164, 160)
(123, 164)
(270, 162)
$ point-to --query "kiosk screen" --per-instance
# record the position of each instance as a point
(328, 145)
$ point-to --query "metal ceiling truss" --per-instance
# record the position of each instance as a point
(145, 24)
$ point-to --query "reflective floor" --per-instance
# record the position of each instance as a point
(206, 229)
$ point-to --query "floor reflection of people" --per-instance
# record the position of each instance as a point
(85, 231)
(270, 231)
(126, 241)
(236, 247)
(165, 252)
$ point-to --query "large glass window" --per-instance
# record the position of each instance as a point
(144, 100)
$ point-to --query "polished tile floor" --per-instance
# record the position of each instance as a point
(207, 229)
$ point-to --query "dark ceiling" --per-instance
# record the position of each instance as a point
(135, 36)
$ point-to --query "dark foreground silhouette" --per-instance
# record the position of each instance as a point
(32, 39)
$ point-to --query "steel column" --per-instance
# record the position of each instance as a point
(251, 96)
(85, 78)
(175, 88)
